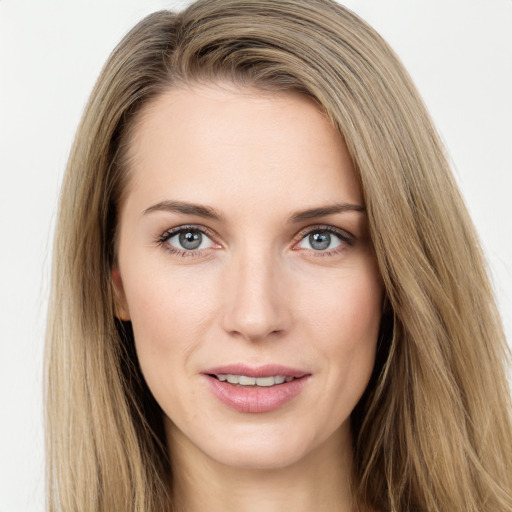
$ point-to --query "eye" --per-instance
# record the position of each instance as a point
(324, 240)
(186, 239)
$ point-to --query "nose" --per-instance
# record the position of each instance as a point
(256, 304)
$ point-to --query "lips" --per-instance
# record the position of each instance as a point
(255, 389)
(268, 370)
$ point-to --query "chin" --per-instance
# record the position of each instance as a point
(267, 446)
(257, 457)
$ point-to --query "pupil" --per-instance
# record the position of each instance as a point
(320, 240)
(190, 239)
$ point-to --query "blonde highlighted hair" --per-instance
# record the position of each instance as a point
(433, 431)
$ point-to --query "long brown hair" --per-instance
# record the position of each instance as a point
(433, 430)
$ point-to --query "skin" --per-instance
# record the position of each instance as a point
(256, 292)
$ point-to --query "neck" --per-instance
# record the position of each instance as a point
(318, 481)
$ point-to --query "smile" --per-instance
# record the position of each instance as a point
(244, 380)
(255, 390)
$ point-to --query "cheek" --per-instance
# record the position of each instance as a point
(346, 319)
(347, 307)
(169, 316)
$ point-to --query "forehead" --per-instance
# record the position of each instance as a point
(225, 144)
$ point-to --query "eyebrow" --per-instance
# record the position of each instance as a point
(210, 213)
(313, 213)
(185, 208)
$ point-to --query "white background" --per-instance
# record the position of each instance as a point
(459, 52)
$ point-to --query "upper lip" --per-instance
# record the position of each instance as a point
(267, 370)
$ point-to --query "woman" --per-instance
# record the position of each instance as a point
(267, 290)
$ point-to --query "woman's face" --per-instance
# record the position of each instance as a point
(246, 268)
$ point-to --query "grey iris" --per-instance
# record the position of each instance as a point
(320, 240)
(190, 239)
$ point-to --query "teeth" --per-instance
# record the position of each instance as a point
(246, 381)
(243, 380)
(263, 381)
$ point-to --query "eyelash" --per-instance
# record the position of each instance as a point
(345, 237)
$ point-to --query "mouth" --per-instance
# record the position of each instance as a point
(268, 375)
(256, 390)
(245, 380)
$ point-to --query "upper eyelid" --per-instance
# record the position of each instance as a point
(168, 233)
(323, 227)
(207, 230)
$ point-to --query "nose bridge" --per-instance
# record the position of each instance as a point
(256, 306)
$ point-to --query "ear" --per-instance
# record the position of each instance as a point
(120, 304)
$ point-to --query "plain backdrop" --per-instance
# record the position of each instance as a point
(459, 53)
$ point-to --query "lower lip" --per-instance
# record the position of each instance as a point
(256, 399)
